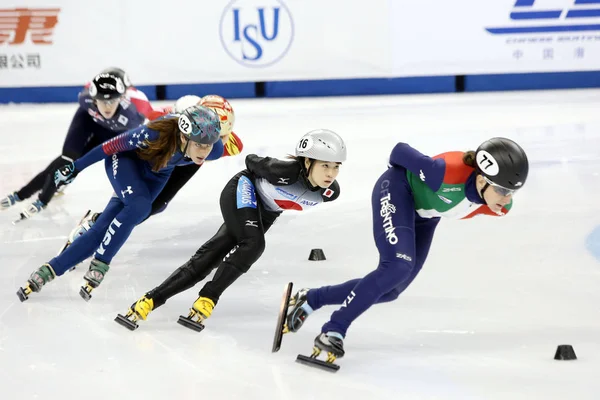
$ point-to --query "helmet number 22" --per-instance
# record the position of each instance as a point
(185, 125)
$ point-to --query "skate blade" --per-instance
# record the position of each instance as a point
(190, 323)
(85, 292)
(23, 293)
(22, 217)
(314, 362)
(126, 322)
(68, 241)
(62, 249)
(281, 326)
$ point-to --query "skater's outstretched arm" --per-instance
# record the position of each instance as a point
(277, 172)
(131, 140)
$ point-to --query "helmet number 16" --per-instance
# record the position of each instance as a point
(303, 144)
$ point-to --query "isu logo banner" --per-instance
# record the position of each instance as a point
(22, 25)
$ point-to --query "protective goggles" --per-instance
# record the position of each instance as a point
(500, 190)
(109, 102)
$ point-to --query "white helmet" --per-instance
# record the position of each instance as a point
(323, 145)
(185, 102)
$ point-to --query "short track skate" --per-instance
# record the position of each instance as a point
(23, 293)
(281, 327)
(193, 321)
(128, 320)
(86, 291)
(22, 217)
(69, 242)
(313, 361)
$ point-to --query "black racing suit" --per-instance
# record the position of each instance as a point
(240, 241)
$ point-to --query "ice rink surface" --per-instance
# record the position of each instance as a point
(482, 321)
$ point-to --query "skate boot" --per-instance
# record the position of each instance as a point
(37, 279)
(9, 201)
(84, 225)
(333, 344)
(94, 278)
(138, 310)
(28, 212)
(201, 310)
(299, 312)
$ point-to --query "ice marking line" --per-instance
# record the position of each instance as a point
(7, 308)
(35, 240)
(446, 331)
(592, 242)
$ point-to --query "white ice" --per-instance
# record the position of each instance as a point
(482, 321)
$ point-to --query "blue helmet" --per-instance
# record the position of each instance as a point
(200, 124)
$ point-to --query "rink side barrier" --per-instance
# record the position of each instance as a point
(535, 81)
(227, 90)
(352, 87)
(331, 87)
(53, 94)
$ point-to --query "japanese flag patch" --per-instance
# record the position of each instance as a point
(328, 193)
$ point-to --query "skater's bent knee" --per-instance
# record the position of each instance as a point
(257, 245)
(400, 263)
(391, 295)
(140, 209)
(395, 272)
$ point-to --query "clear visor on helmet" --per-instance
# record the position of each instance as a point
(500, 190)
(109, 102)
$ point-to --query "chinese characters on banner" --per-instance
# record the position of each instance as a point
(20, 26)
(548, 53)
(20, 61)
